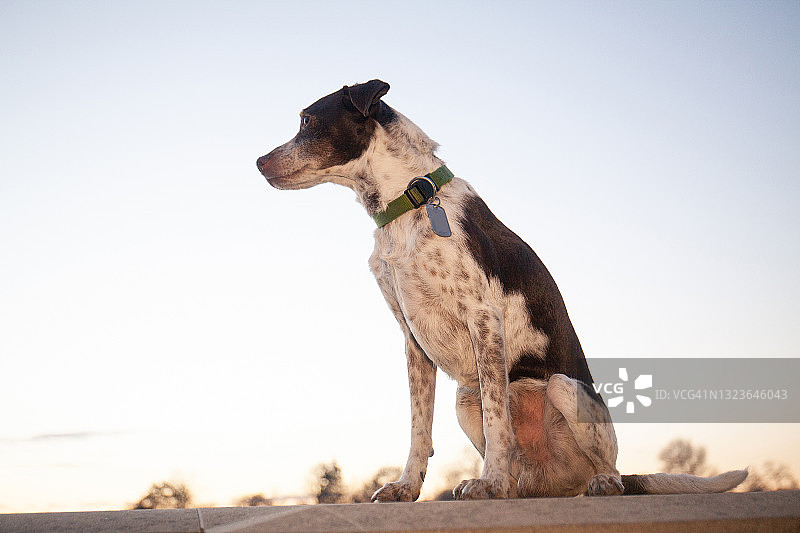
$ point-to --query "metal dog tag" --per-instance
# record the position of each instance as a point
(438, 218)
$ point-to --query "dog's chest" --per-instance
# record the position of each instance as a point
(433, 282)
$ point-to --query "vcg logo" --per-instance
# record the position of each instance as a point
(644, 381)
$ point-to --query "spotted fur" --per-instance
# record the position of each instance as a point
(479, 305)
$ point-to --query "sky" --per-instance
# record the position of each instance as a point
(164, 314)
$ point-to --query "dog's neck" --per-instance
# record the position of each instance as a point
(398, 153)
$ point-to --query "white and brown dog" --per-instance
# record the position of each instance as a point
(474, 300)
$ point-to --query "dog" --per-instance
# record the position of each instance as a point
(474, 300)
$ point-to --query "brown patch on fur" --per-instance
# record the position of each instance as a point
(527, 419)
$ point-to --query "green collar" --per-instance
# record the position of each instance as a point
(418, 192)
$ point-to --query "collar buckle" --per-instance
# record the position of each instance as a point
(420, 190)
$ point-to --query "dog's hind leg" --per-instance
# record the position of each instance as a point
(470, 416)
(422, 386)
(558, 454)
(591, 426)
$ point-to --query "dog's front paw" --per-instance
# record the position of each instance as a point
(481, 489)
(396, 491)
(605, 485)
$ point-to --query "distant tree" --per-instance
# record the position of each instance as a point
(165, 495)
(754, 482)
(255, 500)
(381, 477)
(682, 457)
(330, 488)
(772, 476)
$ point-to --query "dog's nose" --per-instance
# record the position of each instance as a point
(261, 161)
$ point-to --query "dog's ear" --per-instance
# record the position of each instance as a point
(365, 96)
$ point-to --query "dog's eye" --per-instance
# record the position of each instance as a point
(304, 120)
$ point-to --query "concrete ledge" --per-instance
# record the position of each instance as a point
(760, 511)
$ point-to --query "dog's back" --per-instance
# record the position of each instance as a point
(500, 253)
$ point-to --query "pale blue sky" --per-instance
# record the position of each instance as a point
(164, 313)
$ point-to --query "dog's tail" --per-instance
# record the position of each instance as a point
(681, 483)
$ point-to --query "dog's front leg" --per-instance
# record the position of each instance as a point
(488, 341)
(422, 386)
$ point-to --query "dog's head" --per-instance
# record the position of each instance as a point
(334, 131)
